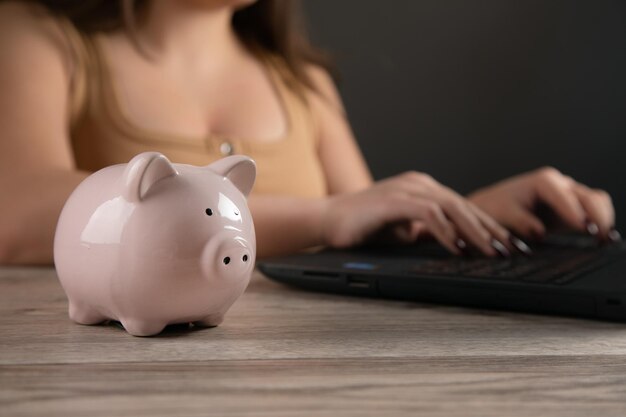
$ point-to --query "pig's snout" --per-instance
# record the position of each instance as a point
(235, 255)
(227, 256)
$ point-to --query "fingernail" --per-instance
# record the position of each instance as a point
(500, 248)
(614, 235)
(462, 246)
(520, 245)
(592, 228)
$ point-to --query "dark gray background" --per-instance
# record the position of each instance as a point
(474, 91)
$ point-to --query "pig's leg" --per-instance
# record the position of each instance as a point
(212, 320)
(83, 314)
(142, 327)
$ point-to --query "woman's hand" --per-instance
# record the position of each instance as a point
(514, 202)
(410, 203)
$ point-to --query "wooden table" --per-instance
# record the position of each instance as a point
(285, 352)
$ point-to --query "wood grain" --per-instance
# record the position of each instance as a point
(285, 352)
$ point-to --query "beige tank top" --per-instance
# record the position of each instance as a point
(101, 135)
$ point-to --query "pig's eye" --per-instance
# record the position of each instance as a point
(236, 213)
(208, 212)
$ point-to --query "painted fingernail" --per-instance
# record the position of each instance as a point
(520, 245)
(592, 228)
(500, 248)
(614, 235)
(462, 246)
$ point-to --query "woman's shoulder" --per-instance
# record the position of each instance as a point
(323, 95)
(323, 84)
(29, 32)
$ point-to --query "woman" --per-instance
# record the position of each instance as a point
(91, 83)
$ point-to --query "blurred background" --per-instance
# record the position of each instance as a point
(474, 91)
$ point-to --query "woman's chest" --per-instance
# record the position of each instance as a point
(241, 100)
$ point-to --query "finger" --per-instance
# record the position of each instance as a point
(498, 232)
(431, 214)
(441, 228)
(418, 229)
(556, 191)
(421, 231)
(469, 225)
(402, 232)
(598, 208)
(421, 186)
(526, 224)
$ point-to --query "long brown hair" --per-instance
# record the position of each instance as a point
(270, 26)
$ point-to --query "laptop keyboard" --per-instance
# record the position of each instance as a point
(553, 267)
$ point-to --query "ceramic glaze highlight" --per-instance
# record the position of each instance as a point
(151, 243)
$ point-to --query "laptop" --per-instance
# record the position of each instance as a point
(566, 275)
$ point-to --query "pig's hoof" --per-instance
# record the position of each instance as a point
(213, 320)
(84, 315)
(142, 328)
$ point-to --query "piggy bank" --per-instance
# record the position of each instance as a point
(152, 243)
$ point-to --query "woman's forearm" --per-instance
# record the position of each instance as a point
(30, 208)
(287, 224)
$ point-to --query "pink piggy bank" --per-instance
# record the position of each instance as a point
(150, 243)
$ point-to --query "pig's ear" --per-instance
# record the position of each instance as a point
(143, 171)
(239, 169)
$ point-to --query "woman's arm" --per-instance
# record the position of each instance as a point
(287, 224)
(37, 172)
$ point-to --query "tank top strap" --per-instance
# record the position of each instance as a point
(82, 61)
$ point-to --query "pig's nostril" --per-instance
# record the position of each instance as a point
(245, 258)
(226, 260)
